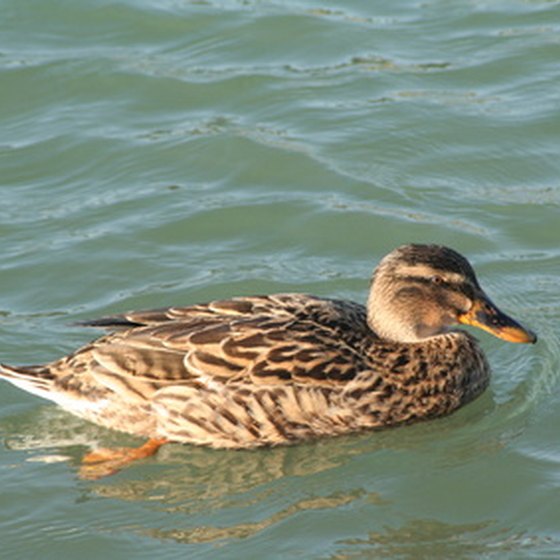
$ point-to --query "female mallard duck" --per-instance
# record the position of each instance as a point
(266, 370)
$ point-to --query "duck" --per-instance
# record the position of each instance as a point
(266, 370)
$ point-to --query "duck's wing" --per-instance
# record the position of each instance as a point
(267, 340)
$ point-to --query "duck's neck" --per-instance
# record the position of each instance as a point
(389, 327)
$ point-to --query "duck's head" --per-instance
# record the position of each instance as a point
(419, 291)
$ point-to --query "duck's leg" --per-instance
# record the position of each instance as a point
(107, 461)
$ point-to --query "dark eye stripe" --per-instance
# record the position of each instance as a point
(459, 287)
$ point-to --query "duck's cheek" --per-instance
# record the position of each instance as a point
(437, 322)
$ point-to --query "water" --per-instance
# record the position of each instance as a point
(156, 153)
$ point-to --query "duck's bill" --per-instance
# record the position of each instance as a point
(486, 316)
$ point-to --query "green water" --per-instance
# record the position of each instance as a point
(168, 152)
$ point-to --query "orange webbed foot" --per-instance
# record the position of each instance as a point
(106, 461)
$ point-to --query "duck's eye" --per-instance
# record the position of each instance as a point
(437, 280)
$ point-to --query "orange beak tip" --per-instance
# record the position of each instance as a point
(517, 335)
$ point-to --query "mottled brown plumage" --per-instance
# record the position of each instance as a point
(266, 370)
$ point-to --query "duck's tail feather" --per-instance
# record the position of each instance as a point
(33, 379)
